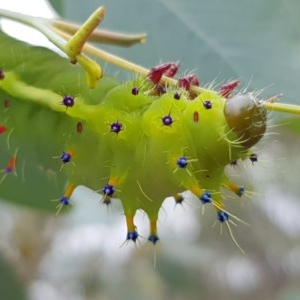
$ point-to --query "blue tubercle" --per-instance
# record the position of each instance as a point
(241, 191)
(108, 190)
(222, 216)
(116, 127)
(66, 157)
(68, 101)
(207, 104)
(205, 198)
(132, 235)
(167, 120)
(153, 239)
(64, 200)
(182, 162)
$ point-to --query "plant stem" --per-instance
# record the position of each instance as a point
(283, 107)
(103, 36)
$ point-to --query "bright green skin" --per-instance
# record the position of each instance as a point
(141, 160)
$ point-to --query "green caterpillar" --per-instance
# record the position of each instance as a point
(140, 141)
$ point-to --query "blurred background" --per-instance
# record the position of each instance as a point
(81, 255)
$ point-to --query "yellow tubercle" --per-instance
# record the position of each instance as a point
(153, 227)
(130, 223)
(235, 188)
(197, 191)
(232, 187)
(72, 152)
(113, 181)
(69, 190)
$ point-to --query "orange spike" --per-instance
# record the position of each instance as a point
(71, 152)
(69, 190)
(113, 181)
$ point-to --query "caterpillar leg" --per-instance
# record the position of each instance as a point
(223, 215)
(153, 236)
(2, 129)
(132, 234)
(109, 189)
(65, 199)
(239, 190)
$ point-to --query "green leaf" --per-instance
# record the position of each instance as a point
(10, 286)
(37, 179)
(255, 41)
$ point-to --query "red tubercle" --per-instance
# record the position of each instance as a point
(3, 129)
(172, 70)
(167, 69)
(185, 82)
(226, 89)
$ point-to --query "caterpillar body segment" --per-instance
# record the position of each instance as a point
(65, 199)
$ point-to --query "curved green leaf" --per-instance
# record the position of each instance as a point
(37, 179)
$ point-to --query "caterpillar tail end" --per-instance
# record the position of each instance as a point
(153, 236)
(132, 234)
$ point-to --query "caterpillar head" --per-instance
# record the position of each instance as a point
(247, 117)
